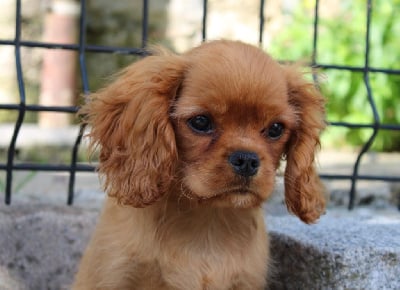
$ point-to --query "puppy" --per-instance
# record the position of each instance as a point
(189, 147)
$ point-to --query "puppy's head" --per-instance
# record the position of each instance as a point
(213, 124)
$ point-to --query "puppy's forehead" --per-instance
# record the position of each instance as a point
(227, 77)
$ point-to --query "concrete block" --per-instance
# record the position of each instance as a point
(340, 252)
(40, 247)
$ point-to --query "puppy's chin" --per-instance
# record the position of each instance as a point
(235, 197)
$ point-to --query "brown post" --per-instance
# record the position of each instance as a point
(58, 77)
(8, 84)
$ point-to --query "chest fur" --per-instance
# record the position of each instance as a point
(213, 250)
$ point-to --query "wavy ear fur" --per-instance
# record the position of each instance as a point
(130, 124)
(304, 193)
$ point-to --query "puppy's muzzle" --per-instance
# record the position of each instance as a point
(244, 163)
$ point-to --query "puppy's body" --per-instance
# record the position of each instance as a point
(173, 248)
(189, 146)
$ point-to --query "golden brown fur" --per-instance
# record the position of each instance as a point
(189, 146)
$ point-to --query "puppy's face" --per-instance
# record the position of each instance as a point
(212, 125)
(232, 120)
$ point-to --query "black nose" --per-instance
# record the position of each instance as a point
(244, 163)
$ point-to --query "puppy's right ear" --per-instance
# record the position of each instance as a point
(304, 192)
(130, 125)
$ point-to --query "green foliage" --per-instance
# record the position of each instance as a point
(120, 24)
(341, 41)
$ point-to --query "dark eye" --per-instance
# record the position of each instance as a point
(275, 131)
(201, 124)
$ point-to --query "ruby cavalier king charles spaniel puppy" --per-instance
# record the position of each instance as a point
(189, 146)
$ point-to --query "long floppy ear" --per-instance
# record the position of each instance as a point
(304, 193)
(130, 125)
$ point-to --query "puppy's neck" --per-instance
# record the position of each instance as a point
(186, 223)
(187, 216)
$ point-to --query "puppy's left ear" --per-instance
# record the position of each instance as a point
(130, 126)
(304, 193)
